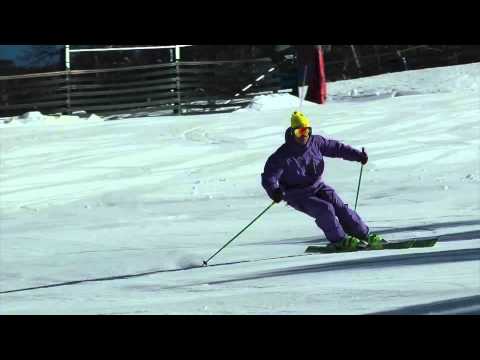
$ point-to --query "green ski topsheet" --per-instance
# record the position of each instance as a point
(416, 243)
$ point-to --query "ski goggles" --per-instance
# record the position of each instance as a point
(303, 131)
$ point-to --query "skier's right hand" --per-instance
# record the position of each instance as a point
(277, 195)
(364, 157)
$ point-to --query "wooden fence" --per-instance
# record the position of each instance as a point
(181, 87)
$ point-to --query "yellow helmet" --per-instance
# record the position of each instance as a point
(299, 120)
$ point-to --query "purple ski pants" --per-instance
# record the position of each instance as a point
(332, 215)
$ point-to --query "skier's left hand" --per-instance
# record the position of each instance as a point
(363, 157)
(277, 195)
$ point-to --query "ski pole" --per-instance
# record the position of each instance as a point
(205, 263)
(359, 181)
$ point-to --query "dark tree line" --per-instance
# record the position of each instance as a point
(352, 61)
(342, 61)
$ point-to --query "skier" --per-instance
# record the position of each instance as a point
(294, 173)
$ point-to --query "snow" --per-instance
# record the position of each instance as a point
(39, 119)
(272, 102)
(116, 217)
(459, 78)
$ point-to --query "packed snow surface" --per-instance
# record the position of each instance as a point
(116, 217)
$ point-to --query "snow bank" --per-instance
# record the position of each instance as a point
(457, 78)
(37, 118)
(274, 102)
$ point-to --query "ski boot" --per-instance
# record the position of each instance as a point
(350, 243)
(375, 242)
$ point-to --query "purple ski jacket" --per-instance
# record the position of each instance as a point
(297, 169)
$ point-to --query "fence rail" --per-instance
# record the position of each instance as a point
(179, 86)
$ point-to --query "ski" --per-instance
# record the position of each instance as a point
(412, 243)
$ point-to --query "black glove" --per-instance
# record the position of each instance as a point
(277, 195)
(363, 157)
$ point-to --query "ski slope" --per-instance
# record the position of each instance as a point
(113, 217)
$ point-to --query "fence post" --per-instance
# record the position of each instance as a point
(67, 77)
(69, 111)
(177, 71)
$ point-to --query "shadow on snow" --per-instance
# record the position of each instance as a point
(437, 257)
(376, 262)
(108, 278)
(467, 235)
(461, 306)
(128, 276)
